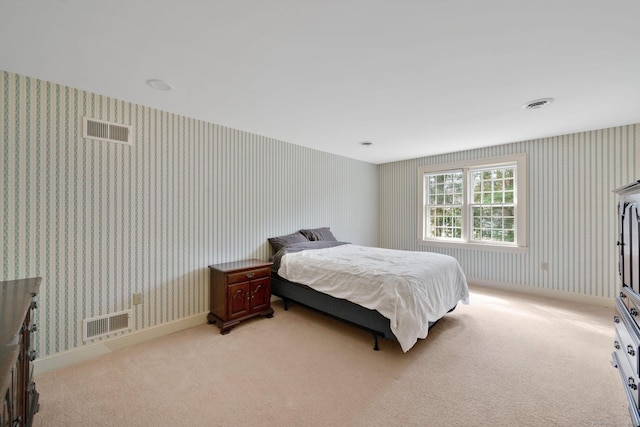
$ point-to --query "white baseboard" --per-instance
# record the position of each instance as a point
(87, 352)
(550, 293)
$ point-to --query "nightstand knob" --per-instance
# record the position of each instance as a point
(250, 275)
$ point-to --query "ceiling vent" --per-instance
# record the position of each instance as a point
(538, 103)
(105, 131)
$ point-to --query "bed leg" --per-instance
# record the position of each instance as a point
(375, 346)
(286, 304)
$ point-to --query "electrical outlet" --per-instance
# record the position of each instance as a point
(137, 298)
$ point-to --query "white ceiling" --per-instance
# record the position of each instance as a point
(416, 77)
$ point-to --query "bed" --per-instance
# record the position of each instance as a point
(390, 293)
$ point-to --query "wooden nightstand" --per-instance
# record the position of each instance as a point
(239, 290)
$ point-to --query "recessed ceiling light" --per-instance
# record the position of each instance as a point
(537, 103)
(365, 143)
(159, 84)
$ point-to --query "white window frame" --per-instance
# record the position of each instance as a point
(521, 227)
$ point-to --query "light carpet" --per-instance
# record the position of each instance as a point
(507, 359)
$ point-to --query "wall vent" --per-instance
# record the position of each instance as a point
(104, 325)
(105, 131)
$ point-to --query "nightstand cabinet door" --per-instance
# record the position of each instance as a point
(260, 294)
(238, 300)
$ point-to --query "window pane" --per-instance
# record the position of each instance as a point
(508, 184)
(508, 196)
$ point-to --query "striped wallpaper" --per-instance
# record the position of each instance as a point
(99, 221)
(572, 217)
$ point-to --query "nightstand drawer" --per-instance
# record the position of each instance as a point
(245, 276)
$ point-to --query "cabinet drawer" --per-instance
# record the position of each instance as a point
(630, 384)
(625, 345)
(631, 300)
(244, 276)
(629, 379)
(627, 336)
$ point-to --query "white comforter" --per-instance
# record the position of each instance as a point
(409, 288)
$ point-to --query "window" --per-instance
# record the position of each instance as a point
(480, 203)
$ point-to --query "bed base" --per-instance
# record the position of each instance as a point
(356, 315)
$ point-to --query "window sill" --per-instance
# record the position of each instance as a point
(474, 246)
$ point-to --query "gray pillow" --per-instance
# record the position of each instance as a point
(279, 242)
(315, 234)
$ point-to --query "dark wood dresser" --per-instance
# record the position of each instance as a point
(626, 355)
(239, 290)
(17, 353)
